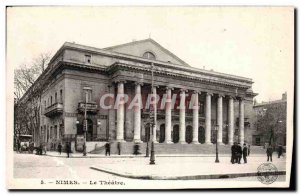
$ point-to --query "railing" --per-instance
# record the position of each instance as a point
(54, 109)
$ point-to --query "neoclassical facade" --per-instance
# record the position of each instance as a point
(80, 73)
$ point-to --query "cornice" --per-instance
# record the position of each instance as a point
(125, 66)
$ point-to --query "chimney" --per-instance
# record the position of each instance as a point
(284, 96)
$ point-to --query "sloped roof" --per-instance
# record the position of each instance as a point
(148, 40)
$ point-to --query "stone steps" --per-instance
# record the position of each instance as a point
(162, 148)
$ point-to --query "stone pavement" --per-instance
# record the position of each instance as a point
(187, 168)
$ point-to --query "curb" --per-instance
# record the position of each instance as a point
(189, 177)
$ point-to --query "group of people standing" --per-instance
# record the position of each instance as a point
(270, 152)
(237, 152)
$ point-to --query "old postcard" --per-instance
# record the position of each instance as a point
(149, 97)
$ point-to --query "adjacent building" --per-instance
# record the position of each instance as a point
(270, 122)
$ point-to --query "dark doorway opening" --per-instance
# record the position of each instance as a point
(189, 134)
(162, 133)
(201, 135)
(175, 133)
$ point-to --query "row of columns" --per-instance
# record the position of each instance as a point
(168, 117)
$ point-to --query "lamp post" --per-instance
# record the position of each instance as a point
(152, 118)
(85, 123)
(147, 139)
(217, 152)
(272, 131)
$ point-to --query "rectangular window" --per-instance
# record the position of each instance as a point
(61, 96)
(87, 94)
(88, 59)
(55, 98)
(257, 141)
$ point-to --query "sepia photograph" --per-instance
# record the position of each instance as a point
(158, 97)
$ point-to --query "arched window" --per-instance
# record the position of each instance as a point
(149, 55)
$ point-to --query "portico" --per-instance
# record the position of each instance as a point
(174, 119)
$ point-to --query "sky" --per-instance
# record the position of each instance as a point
(253, 42)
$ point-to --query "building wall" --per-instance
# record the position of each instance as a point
(75, 81)
(48, 125)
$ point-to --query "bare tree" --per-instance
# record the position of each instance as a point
(272, 124)
(26, 75)
(28, 95)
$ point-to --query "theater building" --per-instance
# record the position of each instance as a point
(79, 73)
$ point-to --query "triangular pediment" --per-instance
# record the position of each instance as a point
(139, 48)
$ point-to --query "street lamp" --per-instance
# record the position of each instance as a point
(217, 152)
(272, 131)
(147, 139)
(85, 121)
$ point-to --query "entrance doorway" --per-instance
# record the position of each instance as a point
(147, 132)
(175, 133)
(201, 135)
(162, 133)
(189, 134)
(89, 133)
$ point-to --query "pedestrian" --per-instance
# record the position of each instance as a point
(233, 153)
(68, 149)
(280, 151)
(269, 153)
(239, 153)
(59, 147)
(245, 153)
(40, 149)
(18, 146)
(249, 150)
(136, 149)
(119, 148)
(107, 149)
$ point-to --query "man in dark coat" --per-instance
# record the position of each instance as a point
(136, 149)
(280, 151)
(234, 153)
(269, 153)
(119, 148)
(68, 149)
(239, 153)
(245, 153)
(107, 149)
(59, 148)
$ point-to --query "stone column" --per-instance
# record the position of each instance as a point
(195, 118)
(241, 121)
(137, 114)
(155, 114)
(208, 119)
(120, 113)
(230, 121)
(111, 115)
(182, 117)
(220, 119)
(168, 117)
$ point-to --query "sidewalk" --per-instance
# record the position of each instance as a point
(179, 168)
